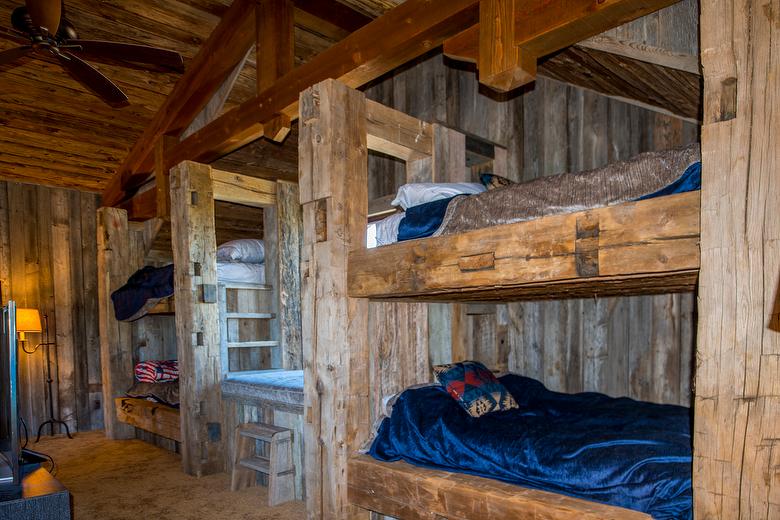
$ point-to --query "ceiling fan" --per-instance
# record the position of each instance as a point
(41, 29)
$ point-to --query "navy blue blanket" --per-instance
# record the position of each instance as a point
(145, 284)
(423, 220)
(622, 452)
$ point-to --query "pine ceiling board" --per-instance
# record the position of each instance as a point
(372, 8)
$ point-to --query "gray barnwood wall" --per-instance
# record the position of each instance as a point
(639, 346)
(48, 261)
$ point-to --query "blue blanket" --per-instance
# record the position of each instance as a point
(146, 283)
(622, 452)
(423, 220)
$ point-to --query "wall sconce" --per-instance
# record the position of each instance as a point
(27, 320)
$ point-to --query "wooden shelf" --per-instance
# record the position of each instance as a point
(405, 491)
(153, 417)
(641, 247)
(253, 344)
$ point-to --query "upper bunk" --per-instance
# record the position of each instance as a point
(643, 247)
(640, 247)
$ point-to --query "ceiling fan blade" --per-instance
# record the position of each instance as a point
(45, 13)
(91, 78)
(10, 55)
(130, 52)
(14, 36)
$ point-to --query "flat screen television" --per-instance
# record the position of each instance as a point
(9, 409)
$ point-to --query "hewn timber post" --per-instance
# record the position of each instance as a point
(289, 228)
(333, 185)
(736, 474)
(197, 318)
(115, 264)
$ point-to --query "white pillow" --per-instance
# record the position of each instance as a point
(247, 250)
(410, 195)
(387, 229)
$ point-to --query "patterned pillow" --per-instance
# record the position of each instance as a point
(491, 181)
(474, 387)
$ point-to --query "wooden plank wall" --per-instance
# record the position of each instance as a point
(48, 261)
(638, 346)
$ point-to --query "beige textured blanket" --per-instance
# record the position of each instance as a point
(612, 184)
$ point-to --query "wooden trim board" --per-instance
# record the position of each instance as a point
(157, 418)
(410, 492)
(633, 248)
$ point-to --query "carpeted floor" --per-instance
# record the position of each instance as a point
(118, 480)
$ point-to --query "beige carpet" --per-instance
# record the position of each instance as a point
(135, 480)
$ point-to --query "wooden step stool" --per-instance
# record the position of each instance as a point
(278, 465)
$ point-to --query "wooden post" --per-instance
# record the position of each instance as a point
(197, 319)
(502, 65)
(275, 54)
(290, 230)
(115, 265)
(333, 185)
(737, 420)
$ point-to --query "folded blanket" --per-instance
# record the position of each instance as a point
(157, 371)
(143, 290)
(163, 393)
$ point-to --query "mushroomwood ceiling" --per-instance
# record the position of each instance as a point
(54, 132)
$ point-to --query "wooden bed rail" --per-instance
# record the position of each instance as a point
(405, 491)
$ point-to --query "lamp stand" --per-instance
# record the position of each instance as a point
(51, 421)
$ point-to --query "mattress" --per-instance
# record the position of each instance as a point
(240, 272)
(648, 175)
(621, 452)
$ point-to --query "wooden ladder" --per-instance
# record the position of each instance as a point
(278, 465)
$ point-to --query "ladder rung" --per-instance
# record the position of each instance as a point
(253, 344)
(257, 463)
(247, 286)
(250, 315)
(264, 432)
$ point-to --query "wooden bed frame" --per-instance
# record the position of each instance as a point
(737, 427)
(410, 492)
(123, 247)
(160, 419)
(633, 248)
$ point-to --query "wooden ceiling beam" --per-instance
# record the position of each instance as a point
(402, 34)
(275, 47)
(334, 13)
(656, 86)
(513, 35)
(217, 57)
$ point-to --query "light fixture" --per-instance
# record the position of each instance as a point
(27, 320)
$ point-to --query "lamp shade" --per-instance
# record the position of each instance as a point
(28, 320)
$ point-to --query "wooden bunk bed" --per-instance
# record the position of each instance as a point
(230, 320)
(736, 426)
(631, 248)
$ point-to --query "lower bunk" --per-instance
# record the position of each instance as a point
(557, 455)
(159, 419)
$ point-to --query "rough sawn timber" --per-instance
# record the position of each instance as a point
(409, 492)
(633, 248)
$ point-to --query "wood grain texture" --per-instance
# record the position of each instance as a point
(118, 257)
(406, 491)
(651, 237)
(735, 473)
(156, 418)
(335, 327)
(197, 323)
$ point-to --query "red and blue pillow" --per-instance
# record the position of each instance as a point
(157, 371)
(475, 388)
